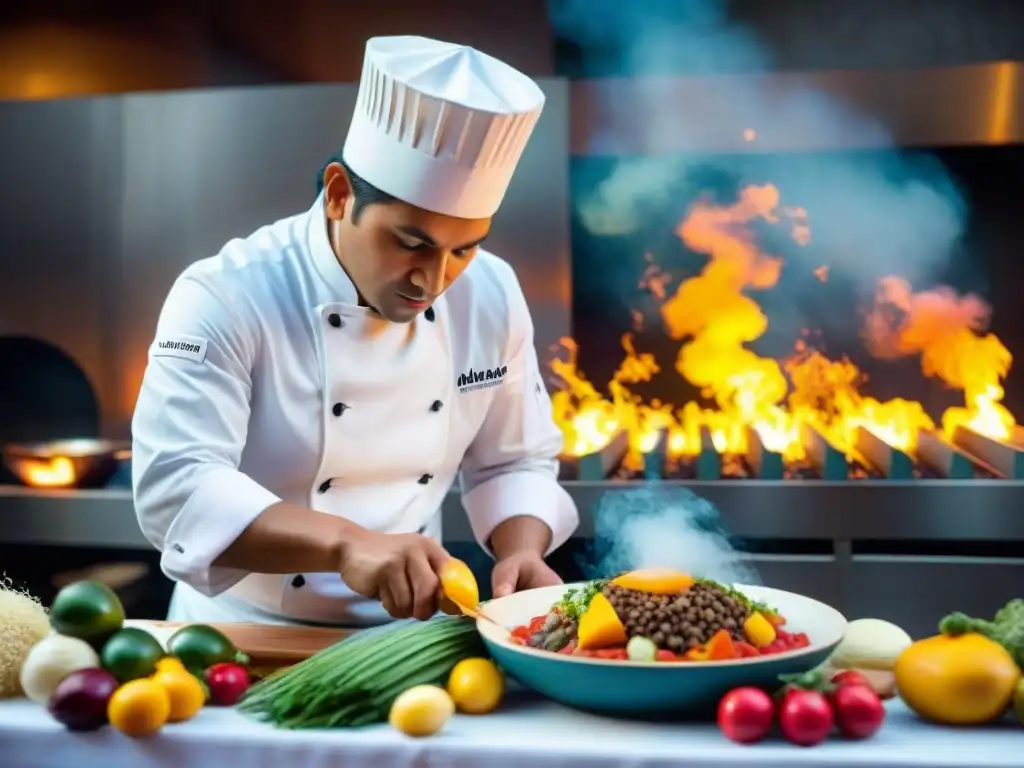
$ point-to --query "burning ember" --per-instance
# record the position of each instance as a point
(714, 318)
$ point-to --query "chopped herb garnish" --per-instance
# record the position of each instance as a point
(575, 601)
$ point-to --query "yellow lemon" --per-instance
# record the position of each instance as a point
(421, 711)
(169, 664)
(186, 693)
(139, 708)
(476, 686)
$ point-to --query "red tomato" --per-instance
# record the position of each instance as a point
(775, 646)
(616, 654)
(745, 715)
(799, 640)
(665, 655)
(521, 633)
(569, 648)
(536, 624)
(805, 718)
(859, 711)
(849, 677)
(745, 650)
(226, 683)
(782, 634)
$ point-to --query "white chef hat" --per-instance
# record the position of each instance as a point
(440, 126)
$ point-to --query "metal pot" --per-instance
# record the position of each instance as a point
(77, 463)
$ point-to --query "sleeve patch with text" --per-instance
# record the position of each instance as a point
(185, 347)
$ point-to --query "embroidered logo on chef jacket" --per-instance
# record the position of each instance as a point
(487, 377)
(186, 347)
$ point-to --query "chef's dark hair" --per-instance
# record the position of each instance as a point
(364, 192)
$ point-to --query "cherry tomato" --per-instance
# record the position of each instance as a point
(664, 654)
(858, 710)
(226, 683)
(805, 717)
(745, 715)
(849, 677)
(536, 624)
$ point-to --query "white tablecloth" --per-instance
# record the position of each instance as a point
(527, 732)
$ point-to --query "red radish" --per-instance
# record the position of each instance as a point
(80, 700)
(849, 677)
(805, 717)
(745, 715)
(227, 683)
(858, 710)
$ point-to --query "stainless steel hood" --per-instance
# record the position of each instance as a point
(800, 112)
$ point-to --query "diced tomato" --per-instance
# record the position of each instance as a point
(697, 653)
(745, 650)
(720, 647)
(664, 654)
(799, 640)
(781, 634)
(536, 624)
(617, 654)
(584, 652)
(773, 647)
(569, 648)
(521, 633)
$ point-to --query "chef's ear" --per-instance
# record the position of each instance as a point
(338, 192)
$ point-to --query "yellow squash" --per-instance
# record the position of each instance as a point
(655, 581)
(758, 630)
(600, 626)
(459, 586)
(957, 680)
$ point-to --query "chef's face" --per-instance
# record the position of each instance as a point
(399, 257)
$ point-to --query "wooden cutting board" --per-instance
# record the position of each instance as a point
(268, 646)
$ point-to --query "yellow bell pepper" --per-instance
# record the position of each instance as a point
(758, 630)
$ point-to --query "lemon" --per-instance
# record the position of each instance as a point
(476, 686)
(169, 664)
(187, 695)
(139, 708)
(421, 711)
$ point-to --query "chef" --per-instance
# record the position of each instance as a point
(315, 389)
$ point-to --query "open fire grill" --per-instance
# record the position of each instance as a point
(798, 459)
(967, 456)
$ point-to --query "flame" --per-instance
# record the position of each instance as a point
(949, 334)
(714, 317)
(54, 472)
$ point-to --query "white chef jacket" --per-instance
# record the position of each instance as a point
(267, 382)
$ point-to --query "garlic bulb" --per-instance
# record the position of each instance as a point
(870, 644)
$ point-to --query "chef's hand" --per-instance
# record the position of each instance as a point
(522, 570)
(400, 569)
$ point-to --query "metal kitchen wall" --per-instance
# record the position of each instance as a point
(106, 200)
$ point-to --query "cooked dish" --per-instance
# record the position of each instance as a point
(659, 616)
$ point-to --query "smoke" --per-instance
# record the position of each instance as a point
(871, 214)
(660, 527)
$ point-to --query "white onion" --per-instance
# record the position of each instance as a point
(870, 644)
(51, 660)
